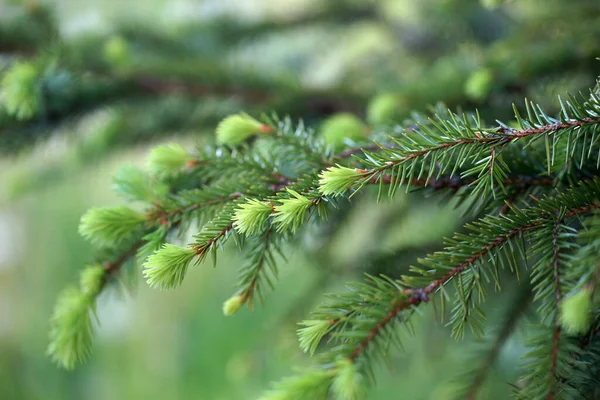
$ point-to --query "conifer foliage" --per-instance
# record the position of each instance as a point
(534, 180)
(261, 183)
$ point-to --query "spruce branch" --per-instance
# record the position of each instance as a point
(456, 141)
(380, 304)
(277, 175)
(260, 269)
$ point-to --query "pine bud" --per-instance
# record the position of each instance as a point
(167, 159)
(250, 217)
(233, 304)
(310, 336)
(575, 312)
(349, 383)
(336, 180)
(290, 213)
(20, 90)
(383, 109)
(167, 267)
(109, 225)
(238, 127)
(71, 332)
(479, 84)
(341, 127)
(91, 280)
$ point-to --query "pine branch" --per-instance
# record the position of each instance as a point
(258, 271)
(380, 303)
(417, 296)
(263, 182)
(452, 142)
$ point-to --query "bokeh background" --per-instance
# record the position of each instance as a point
(130, 75)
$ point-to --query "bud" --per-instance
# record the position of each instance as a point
(20, 90)
(383, 109)
(575, 312)
(233, 304)
(167, 159)
(238, 127)
(479, 84)
(289, 213)
(110, 225)
(341, 127)
(71, 331)
(311, 335)
(167, 267)
(336, 180)
(250, 217)
(349, 382)
(91, 280)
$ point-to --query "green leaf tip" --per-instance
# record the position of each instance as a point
(71, 331)
(166, 268)
(310, 336)
(575, 312)
(236, 128)
(289, 213)
(349, 383)
(336, 180)
(109, 225)
(167, 159)
(250, 217)
(233, 304)
(21, 91)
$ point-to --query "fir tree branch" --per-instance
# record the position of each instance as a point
(357, 150)
(203, 248)
(420, 152)
(248, 292)
(456, 182)
(415, 296)
(421, 295)
(253, 274)
(502, 136)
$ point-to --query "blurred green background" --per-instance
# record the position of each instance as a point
(177, 344)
